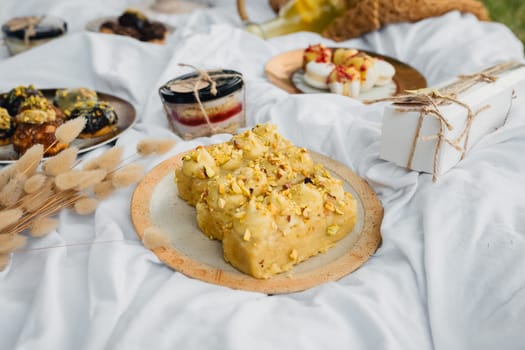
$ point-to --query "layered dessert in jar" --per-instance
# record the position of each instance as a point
(196, 107)
(23, 33)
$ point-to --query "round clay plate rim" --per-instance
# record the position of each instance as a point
(281, 68)
(366, 244)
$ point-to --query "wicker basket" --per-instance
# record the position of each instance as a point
(363, 16)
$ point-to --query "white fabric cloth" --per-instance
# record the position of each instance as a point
(450, 271)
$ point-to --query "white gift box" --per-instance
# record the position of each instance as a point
(415, 137)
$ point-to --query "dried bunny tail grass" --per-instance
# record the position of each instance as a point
(4, 260)
(28, 163)
(154, 237)
(34, 201)
(79, 179)
(9, 217)
(68, 180)
(108, 161)
(5, 174)
(103, 189)
(11, 242)
(11, 193)
(90, 164)
(153, 146)
(42, 225)
(128, 175)
(69, 131)
(34, 183)
(60, 163)
(86, 205)
(90, 178)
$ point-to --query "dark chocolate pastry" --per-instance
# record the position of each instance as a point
(115, 28)
(15, 97)
(135, 24)
(101, 118)
(134, 19)
(154, 31)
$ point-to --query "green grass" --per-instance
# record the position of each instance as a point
(510, 13)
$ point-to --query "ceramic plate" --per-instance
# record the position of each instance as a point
(126, 118)
(155, 203)
(285, 71)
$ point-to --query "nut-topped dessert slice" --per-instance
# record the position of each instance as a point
(266, 200)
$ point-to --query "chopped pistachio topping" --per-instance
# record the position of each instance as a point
(5, 119)
(293, 254)
(332, 230)
(36, 116)
(247, 235)
(35, 102)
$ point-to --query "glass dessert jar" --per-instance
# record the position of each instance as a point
(198, 104)
(23, 33)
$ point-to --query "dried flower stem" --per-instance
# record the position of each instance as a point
(55, 203)
(29, 197)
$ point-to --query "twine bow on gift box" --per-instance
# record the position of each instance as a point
(428, 102)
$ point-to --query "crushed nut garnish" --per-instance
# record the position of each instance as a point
(332, 230)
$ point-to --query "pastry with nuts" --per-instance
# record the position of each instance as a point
(37, 122)
(7, 127)
(266, 200)
(14, 97)
(67, 99)
(135, 24)
(101, 118)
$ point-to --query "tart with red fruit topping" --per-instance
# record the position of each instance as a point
(341, 55)
(345, 81)
(317, 64)
(317, 53)
(365, 64)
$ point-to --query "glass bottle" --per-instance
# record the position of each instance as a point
(299, 15)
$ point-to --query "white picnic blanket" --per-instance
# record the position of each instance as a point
(450, 273)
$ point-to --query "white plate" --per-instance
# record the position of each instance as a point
(387, 90)
(156, 203)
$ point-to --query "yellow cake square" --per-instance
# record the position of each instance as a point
(266, 200)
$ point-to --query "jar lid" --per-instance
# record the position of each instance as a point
(41, 27)
(180, 89)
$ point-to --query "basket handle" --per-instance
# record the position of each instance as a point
(241, 9)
